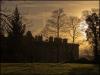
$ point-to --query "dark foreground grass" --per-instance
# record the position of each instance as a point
(48, 69)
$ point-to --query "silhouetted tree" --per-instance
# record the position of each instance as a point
(93, 27)
(17, 27)
(15, 35)
(85, 13)
(93, 21)
(55, 23)
(29, 34)
(73, 25)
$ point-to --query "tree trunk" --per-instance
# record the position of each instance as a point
(95, 49)
(74, 35)
(58, 36)
(73, 39)
(58, 31)
(58, 26)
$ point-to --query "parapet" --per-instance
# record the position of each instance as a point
(51, 40)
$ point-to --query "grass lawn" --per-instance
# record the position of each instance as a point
(48, 69)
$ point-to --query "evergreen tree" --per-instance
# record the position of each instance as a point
(17, 27)
(15, 35)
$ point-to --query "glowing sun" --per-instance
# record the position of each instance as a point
(83, 27)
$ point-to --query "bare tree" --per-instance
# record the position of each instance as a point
(55, 23)
(73, 25)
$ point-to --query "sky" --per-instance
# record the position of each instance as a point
(36, 13)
